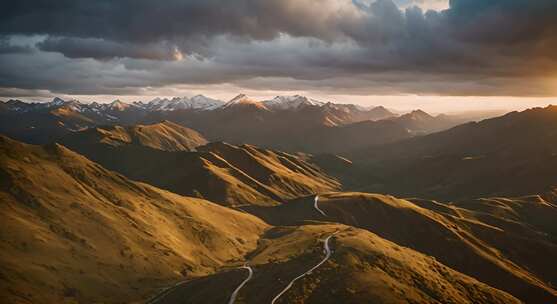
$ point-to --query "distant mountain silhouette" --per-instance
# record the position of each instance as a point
(515, 154)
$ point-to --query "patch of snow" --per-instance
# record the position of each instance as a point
(57, 102)
(198, 102)
(291, 102)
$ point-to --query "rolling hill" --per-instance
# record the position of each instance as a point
(363, 268)
(497, 241)
(223, 173)
(165, 136)
(103, 237)
(74, 232)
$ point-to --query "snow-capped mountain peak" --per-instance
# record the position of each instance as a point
(243, 99)
(198, 102)
(57, 101)
(205, 103)
(18, 105)
(291, 102)
(118, 105)
(156, 100)
(161, 104)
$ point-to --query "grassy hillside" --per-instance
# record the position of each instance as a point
(223, 173)
(73, 231)
(363, 268)
(166, 136)
(498, 246)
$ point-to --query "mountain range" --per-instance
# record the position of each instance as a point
(291, 123)
(288, 200)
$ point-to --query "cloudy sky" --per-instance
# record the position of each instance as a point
(434, 54)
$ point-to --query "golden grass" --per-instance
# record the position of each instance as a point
(363, 268)
(74, 231)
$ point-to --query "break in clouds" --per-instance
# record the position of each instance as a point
(473, 47)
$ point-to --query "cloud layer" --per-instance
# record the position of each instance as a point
(474, 47)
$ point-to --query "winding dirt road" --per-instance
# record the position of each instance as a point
(235, 293)
(317, 206)
(327, 256)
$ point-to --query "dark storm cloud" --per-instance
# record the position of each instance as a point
(491, 21)
(503, 22)
(482, 46)
(152, 21)
(104, 50)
